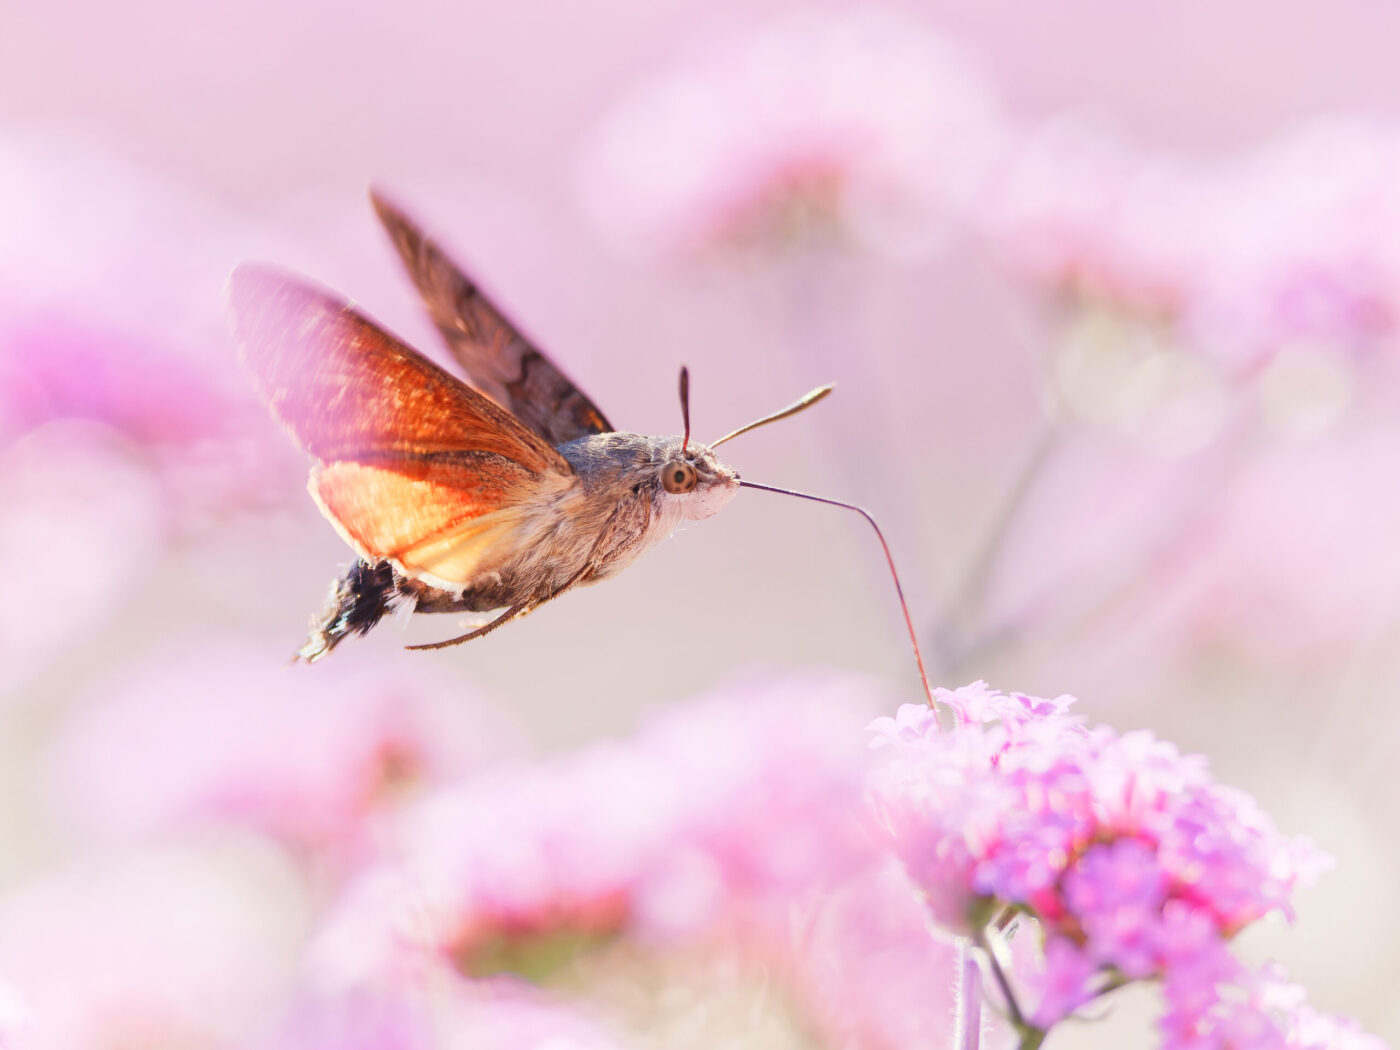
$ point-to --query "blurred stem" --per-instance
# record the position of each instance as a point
(955, 640)
(1028, 1036)
(1366, 764)
(1112, 985)
(969, 1025)
(1136, 584)
(990, 949)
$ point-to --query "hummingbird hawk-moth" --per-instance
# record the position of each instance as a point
(456, 499)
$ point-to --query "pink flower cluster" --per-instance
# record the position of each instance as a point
(1215, 1001)
(117, 321)
(709, 816)
(867, 128)
(311, 760)
(1134, 862)
(733, 825)
(726, 844)
(125, 421)
(859, 125)
(1290, 243)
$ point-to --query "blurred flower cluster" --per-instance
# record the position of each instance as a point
(1134, 863)
(125, 427)
(110, 294)
(214, 851)
(861, 128)
(307, 859)
(1246, 256)
(1224, 323)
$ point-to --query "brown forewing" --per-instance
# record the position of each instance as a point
(348, 390)
(497, 357)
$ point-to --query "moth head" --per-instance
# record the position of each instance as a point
(692, 475)
(693, 478)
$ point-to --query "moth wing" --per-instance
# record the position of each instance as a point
(499, 359)
(443, 520)
(415, 466)
(347, 389)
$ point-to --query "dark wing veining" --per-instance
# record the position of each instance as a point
(347, 389)
(499, 359)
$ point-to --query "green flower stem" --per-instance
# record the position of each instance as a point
(956, 639)
(1013, 1008)
(1030, 1037)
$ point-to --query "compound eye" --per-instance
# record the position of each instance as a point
(678, 476)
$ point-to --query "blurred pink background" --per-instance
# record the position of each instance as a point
(1109, 292)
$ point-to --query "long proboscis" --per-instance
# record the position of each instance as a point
(889, 558)
(807, 400)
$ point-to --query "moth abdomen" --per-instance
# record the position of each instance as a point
(357, 601)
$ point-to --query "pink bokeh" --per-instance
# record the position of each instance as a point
(1110, 292)
(226, 733)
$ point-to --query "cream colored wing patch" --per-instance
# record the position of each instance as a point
(458, 555)
(440, 521)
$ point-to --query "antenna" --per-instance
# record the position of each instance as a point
(899, 590)
(807, 400)
(685, 406)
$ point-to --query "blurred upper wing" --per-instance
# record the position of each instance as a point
(348, 390)
(499, 360)
(414, 464)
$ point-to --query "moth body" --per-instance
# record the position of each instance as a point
(457, 498)
(619, 509)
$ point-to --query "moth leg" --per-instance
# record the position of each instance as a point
(518, 609)
(529, 605)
